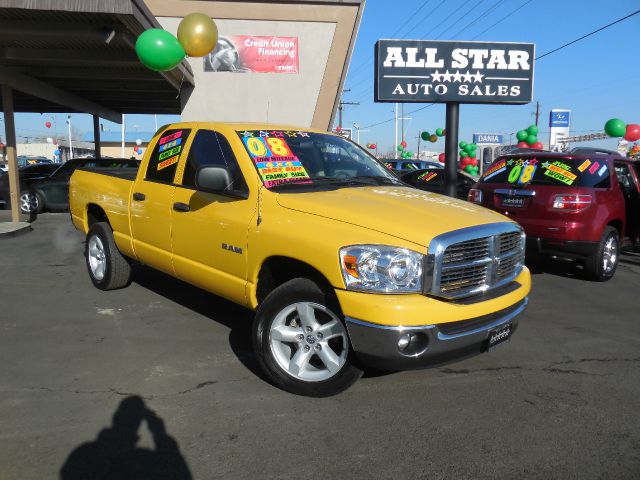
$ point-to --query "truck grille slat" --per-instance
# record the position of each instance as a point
(476, 265)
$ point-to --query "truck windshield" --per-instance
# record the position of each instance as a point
(549, 171)
(301, 160)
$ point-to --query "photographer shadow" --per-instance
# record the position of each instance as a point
(113, 455)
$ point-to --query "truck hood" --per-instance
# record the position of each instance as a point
(403, 212)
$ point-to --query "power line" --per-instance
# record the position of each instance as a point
(448, 17)
(502, 19)
(588, 35)
(462, 16)
(407, 113)
(423, 18)
(483, 14)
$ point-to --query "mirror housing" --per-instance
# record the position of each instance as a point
(213, 179)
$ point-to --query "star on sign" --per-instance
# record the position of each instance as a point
(545, 165)
(447, 76)
(277, 134)
(478, 77)
(291, 134)
(510, 162)
(467, 77)
(436, 76)
(264, 134)
(457, 77)
(247, 134)
(303, 134)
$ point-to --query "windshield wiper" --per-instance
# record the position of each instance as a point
(375, 180)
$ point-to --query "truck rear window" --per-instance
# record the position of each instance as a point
(549, 171)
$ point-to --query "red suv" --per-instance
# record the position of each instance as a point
(569, 205)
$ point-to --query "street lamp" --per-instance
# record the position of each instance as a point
(70, 144)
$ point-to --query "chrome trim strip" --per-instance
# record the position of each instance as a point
(522, 193)
(484, 328)
(474, 263)
(387, 327)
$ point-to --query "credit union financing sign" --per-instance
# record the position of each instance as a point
(463, 72)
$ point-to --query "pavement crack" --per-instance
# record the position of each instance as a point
(198, 387)
(572, 372)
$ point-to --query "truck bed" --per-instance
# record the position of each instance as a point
(128, 173)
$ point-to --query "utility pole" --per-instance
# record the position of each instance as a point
(395, 146)
(537, 111)
(419, 138)
(340, 108)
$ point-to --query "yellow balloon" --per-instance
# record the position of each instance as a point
(197, 34)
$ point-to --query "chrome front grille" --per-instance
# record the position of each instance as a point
(474, 260)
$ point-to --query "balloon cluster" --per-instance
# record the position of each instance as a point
(372, 146)
(634, 152)
(468, 160)
(529, 138)
(404, 153)
(617, 128)
(159, 50)
(432, 137)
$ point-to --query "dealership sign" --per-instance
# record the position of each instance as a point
(451, 71)
(559, 118)
(487, 138)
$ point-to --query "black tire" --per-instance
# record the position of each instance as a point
(303, 291)
(595, 266)
(36, 200)
(116, 267)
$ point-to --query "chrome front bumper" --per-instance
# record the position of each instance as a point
(377, 345)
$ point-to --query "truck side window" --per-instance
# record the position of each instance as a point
(163, 161)
(212, 149)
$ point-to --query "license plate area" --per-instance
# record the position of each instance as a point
(512, 202)
(499, 335)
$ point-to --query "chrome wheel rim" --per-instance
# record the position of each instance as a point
(97, 258)
(308, 341)
(610, 255)
(28, 202)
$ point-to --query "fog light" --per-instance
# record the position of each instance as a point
(404, 341)
(413, 344)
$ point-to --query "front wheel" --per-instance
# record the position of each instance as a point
(31, 202)
(302, 343)
(602, 266)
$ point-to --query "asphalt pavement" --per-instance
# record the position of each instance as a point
(161, 376)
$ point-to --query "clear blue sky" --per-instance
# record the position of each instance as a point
(596, 78)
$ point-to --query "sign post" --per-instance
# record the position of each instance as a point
(453, 72)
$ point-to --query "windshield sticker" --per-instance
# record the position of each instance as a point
(559, 171)
(602, 171)
(594, 168)
(522, 174)
(169, 138)
(170, 153)
(277, 173)
(584, 165)
(170, 144)
(427, 176)
(495, 169)
(168, 162)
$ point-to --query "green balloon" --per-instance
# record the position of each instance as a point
(531, 139)
(470, 148)
(439, 131)
(521, 135)
(462, 144)
(463, 154)
(425, 135)
(468, 168)
(615, 128)
(400, 148)
(532, 130)
(159, 50)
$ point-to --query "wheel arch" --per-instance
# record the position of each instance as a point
(618, 225)
(95, 213)
(276, 270)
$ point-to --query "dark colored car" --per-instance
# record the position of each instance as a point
(432, 180)
(404, 166)
(52, 192)
(36, 170)
(573, 206)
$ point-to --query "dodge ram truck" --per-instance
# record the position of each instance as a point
(345, 266)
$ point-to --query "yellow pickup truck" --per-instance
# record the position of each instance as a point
(345, 266)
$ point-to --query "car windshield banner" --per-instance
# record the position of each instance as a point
(451, 71)
(248, 53)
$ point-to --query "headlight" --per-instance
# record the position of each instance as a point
(379, 268)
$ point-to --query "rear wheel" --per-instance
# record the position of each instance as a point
(31, 202)
(302, 343)
(107, 267)
(602, 266)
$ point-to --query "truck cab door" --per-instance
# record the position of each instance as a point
(152, 199)
(210, 231)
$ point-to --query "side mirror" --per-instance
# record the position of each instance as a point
(213, 179)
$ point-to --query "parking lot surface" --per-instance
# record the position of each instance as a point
(161, 377)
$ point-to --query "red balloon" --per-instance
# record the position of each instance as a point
(404, 144)
(538, 145)
(522, 145)
(441, 158)
(464, 161)
(338, 129)
(633, 132)
(47, 124)
(374, 146)
(473, 161)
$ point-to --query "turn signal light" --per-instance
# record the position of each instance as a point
(475, 196)
(574, 203)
